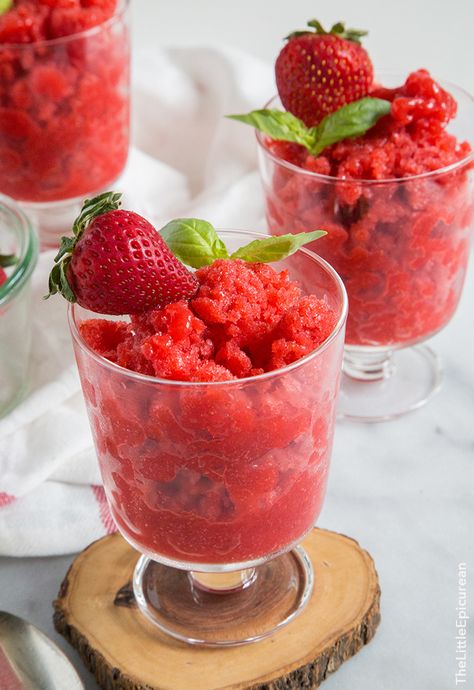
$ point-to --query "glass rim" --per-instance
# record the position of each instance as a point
(28, 251)
(268, 375)
(121, 9)
(365, 182)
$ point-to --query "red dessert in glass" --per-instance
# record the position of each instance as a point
(64, 102)
(397, 204)
(213, 421)
(205, 467)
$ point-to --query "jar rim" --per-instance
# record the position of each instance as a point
(27, 249)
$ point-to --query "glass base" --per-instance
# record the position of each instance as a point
(379, 386)
(224, 609)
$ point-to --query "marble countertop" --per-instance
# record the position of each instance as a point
(403, 489)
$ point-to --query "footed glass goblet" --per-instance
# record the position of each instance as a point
(215, 484)
(401, 247)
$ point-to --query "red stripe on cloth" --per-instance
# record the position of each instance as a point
(9, 680)
(104, 511)
(6, 499)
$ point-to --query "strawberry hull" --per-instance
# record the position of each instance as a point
(221, 473)
(64, 113)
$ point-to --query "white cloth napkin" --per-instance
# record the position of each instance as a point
(186, 160)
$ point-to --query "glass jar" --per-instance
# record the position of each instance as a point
(64, 120)
(17, 239)
(401, 247)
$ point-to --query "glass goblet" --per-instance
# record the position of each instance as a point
(401, 247)
(215, 484)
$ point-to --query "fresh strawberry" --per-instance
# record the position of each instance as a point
(117, 263)
(317, 72)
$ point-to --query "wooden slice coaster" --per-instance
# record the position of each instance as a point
(96, 613)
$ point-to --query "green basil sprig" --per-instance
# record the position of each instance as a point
(196, 243)
(349, 121)
(193, 241)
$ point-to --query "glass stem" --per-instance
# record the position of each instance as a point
(223, 583)
(368, 366)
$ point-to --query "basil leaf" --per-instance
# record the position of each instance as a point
(278, 124)
(5, 5)
(275, 248)
(195, 242)
(351, 120)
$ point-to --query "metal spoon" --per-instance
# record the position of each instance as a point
(29, 660)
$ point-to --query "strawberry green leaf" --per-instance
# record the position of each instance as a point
(278, 125)
(195, 242)
(66, 290)
(340, 30)
(337, 29)
(275, 248)
(58, 281)
(351, 120)
(91, 208)
(354, 35)
(54, 281)
(315, 24)
(7, 260)
(5, 5)
(66, 246)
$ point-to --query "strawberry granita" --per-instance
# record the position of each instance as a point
(229, 465)
(397, 205)
(245, 320)
(64, 105)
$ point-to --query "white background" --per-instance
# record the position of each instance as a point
(403, 34)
